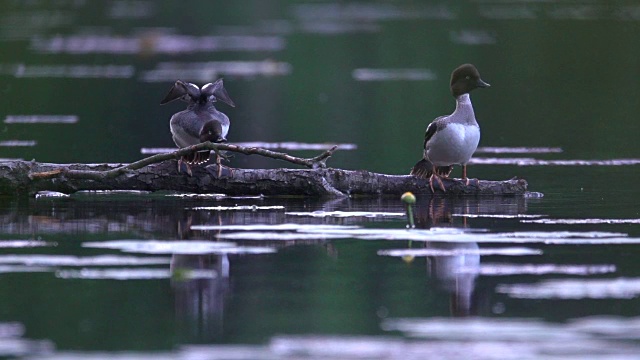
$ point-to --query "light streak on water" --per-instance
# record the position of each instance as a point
(206, 71)
(18, 143)
(68, 71)
(365, 74)
(538, 162)
(153, 42)
(41, 119)
(473, 37)
(518, 150)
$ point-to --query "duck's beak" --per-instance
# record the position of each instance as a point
(482, 84)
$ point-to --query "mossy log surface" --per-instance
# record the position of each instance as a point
(29, 177)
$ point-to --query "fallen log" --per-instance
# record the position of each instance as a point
(160, 172)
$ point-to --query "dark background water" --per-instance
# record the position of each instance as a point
(563, 74)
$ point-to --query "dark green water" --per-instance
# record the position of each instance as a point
(563, 75)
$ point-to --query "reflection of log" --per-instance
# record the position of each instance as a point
(16, 177)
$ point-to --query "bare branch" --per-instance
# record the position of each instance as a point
(314, 163)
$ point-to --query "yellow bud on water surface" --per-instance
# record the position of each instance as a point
(408, 198)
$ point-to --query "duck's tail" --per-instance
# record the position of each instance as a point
(197, 158)
(424, 169)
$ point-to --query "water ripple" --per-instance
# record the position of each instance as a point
(205, 71)
(193, 247)
(518, 150)
(68, 71)
(342, 214)
(393, 74)
(509, 251)
(539, 269)
(581, 221)
(537, 162)
(18, 143)
(153, 42)
(615, 288)
(41, 119)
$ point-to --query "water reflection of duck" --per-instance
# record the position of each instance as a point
(455, 273)
(201, 121)
(452, 139)
(199, 303)
(437, 213)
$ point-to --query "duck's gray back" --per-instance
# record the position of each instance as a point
(186, 125)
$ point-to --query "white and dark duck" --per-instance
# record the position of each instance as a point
(201, 121)
(452, 139)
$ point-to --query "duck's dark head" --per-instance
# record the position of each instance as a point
(464, 79)
(212, 131)
(190, 93)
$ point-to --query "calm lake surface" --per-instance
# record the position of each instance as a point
(141, 276)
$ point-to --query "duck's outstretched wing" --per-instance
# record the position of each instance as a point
(181, 90)
(218, 91)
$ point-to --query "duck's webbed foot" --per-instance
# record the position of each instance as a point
(186, 164)
(438, 179)
(468, 181)
(219, 164)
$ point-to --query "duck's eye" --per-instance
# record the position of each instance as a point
(468, 77)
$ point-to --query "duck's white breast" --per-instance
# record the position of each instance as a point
(454, 144)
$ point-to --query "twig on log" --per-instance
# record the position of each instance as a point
(314, 162)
